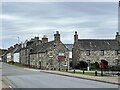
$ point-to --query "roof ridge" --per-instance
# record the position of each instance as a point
(99, 39)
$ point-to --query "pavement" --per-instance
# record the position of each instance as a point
(105, 79)
(3, 83)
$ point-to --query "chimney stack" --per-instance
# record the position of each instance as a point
(10, 48)
(44, 39)
(118, 36)
(76, 38)
(16, 45)
(36, 38)
(57, 36)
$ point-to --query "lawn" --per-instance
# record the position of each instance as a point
(20, 65)
(86, 73)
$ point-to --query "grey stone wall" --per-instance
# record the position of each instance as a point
(24, 56)
(95, 56)
(49, 59)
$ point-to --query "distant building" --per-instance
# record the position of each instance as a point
(16, 53)
(70, 47)
(3, 57)
(51, 55)
(95, 50)
(12, 53)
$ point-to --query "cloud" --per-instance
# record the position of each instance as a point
(26, 20)
(60, 1)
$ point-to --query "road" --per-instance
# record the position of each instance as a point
(25, 78)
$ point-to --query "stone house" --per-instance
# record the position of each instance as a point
(50, 55)
(26, 48)
(95, 50)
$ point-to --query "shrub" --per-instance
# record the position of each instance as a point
(95, 66)
(114, 68)
(81, 65)
(11, 62)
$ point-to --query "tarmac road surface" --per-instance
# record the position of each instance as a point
(25, 78)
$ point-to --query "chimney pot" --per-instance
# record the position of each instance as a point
(76, 37)
(57, 32)
(75, 32)
(117, 33)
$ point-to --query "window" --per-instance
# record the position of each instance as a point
(116, 52)
(102, 52)
(117, 62)
(88, 52)
(51, 54)
(61, 54)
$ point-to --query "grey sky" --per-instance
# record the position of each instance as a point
(26, 20)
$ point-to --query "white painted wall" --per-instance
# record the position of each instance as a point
(8, 57)
(16, 57)
(0, 58)
(70, 54)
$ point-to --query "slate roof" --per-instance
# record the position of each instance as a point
(42, 47)
(17, 50)
(98, 44)
(69, 46)
(10, 50)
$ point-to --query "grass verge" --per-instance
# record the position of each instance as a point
(86, 73)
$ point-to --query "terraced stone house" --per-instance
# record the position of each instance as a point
(95, 50)
(51, 55)
(26, 48)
